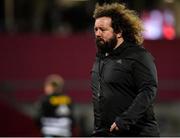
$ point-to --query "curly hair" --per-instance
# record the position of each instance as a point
(123, 20)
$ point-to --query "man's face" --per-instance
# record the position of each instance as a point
(48, 89)
(105, 37)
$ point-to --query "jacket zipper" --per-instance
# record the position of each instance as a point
(100, 71)
(99, 78)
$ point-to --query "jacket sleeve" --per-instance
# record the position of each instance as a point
(145, 78)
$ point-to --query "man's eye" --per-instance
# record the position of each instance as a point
(103, 29)
(95, 29)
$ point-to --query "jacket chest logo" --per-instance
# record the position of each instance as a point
(119, 61)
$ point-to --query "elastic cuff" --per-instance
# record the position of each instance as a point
(121, 124)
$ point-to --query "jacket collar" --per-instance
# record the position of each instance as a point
(121, 48)
(118, 50)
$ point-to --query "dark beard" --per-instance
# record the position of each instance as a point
(106, 47)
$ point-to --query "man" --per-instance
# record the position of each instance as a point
(124, 77)
(55, 110)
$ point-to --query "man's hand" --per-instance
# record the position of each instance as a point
(114, 127)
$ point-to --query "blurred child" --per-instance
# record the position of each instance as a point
(55, 109)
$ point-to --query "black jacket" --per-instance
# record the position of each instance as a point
(124, 85)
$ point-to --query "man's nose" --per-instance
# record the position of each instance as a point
(98, 33)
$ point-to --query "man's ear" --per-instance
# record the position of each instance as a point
(119, 35)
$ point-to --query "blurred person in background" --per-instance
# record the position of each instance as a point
(55, 115)
(124, 77)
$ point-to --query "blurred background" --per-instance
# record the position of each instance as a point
(42, 37)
